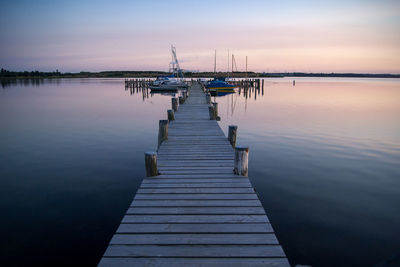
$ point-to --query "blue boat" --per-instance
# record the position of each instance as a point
(220, 85)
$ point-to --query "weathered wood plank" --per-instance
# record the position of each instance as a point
(211, 228)
(197, 180)
(195, 219)
(194, 185)
(195, 262)
(196, 203)
(196, 210)
(218, 251)
(194, 239)
(195, 190)
(196, 196)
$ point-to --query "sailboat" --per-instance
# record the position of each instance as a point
(219, 84)
(172, 82)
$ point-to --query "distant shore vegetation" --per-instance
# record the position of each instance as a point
(6, 74)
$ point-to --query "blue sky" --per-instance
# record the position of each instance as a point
(319, 36)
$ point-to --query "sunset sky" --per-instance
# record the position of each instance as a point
(277, 36)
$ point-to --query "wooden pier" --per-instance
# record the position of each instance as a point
(196, 212)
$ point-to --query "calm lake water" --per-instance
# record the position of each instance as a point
(324, 158)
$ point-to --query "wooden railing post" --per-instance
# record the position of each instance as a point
(241, 161)
(232, 135)
(150, 159)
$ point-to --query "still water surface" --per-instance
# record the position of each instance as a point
(324, 158)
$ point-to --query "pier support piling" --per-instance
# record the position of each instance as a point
(215, 104)
(241, 161)
(211, 111)
(150, 159)
(162, 131)
(171, 115)
(208, 98)
(232, 131)
(175, 104)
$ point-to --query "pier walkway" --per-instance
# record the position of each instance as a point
(196, 212)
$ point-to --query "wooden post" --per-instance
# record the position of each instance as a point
(241, 161)
(175, 104)
(162, 132)
(150, 159)
(211, 112)
(232, 135)
(181, 100)
(171, 115)
(215, 104)
(208, 98)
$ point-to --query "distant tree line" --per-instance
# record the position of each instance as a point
(5, 74)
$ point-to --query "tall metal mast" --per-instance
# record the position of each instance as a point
(174, 64)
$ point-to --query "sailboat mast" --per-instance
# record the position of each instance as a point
(228, 63)
(246, 66)
(232, 64)
(215, 63)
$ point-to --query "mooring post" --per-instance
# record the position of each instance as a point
(175, 104)
(215, 104)
(181, 100)
(211, 112)
(162, 132)
(150, 159)
(208, 98)
(171, 115)
(241, 161)
(232, 135)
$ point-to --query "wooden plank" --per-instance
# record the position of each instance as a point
(196, 203)
(195, 190)
(194, 185)
(211, 228)
(196, 210)
(195, 219)
(196, 196)
(194, 239)
(194, 176)
(195, 262)
(196, 251)
(197, 180)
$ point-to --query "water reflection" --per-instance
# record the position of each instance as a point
(141, 86)
(7, 82)
(324, 159)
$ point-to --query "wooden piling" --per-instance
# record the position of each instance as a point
(208, 98)
(181, 100)
(211, 112)
(232, 132)
(150, 159)
(162, 131)
(171, 115)
(215, 105)
(175, 104)
(241, 161)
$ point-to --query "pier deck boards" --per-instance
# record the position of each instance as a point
(196, 212)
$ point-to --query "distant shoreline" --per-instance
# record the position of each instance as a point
(4, 74)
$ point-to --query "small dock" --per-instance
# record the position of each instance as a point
(196, 211)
